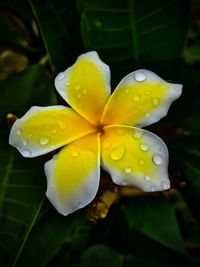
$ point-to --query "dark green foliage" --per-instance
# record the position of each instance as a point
(142, 231)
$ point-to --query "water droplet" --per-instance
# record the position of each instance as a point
(30, 135)
(74, 153)
(152, 188)
(118, 152)
(137, 134)
(128, 169)
(26, 153)
(140, 77)
(19, 132)
(136, 98)
(61, 124)
(79, 96)
(165, 185)
(144, 147)
(60, 76)
(147, 177)
(155, 101)
(147, 115)
(67, 83)
(120, 131)
(124, 182)
(157, 159)
(44, 141)
(53, 131)
(148, 92)
(24, 142)
(119, 99)
(127, 91)
(141, 162)
(77, 87)
(84, 92)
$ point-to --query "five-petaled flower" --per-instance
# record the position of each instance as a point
(99, 128)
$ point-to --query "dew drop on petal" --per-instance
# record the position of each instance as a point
(127, 91)
(77, 87)
(54, 131)
(140, 77)
(67, 83)
(79, 96)
(27, 153)
(141, 162)
(19, 132)
(128, 169)
(118, 152)
(84, 92)
(157, 159)
(24, 142)
(144, 147)
(147, 115)
(147, 177)
(155, 101)
(44, 141)
(137, 134)
(136, 98)
(148, 92)
(61, 124)
(74, 153)
(60, 76)
(165, 185)
(152, 188)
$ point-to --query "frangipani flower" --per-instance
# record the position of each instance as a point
(99, 128)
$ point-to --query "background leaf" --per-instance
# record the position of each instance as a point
(155, 217)
(22, 181)
(99, 255)
(60, 30)
(72, 230)
(39, 39)
(136, 34)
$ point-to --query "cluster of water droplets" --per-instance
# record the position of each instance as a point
(119, 151)
(141, 77)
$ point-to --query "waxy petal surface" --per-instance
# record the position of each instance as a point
(43, 129)
(73, 175)
(86, 86)
(135, 157)
(140, 99)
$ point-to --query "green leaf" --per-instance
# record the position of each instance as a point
(22, 90)
(135, 34)
(50, 233)
(21, 197)
(146, 252)
(59, 25)
(185, 158)
(155, 217)
(100, 255)
(22, 181)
